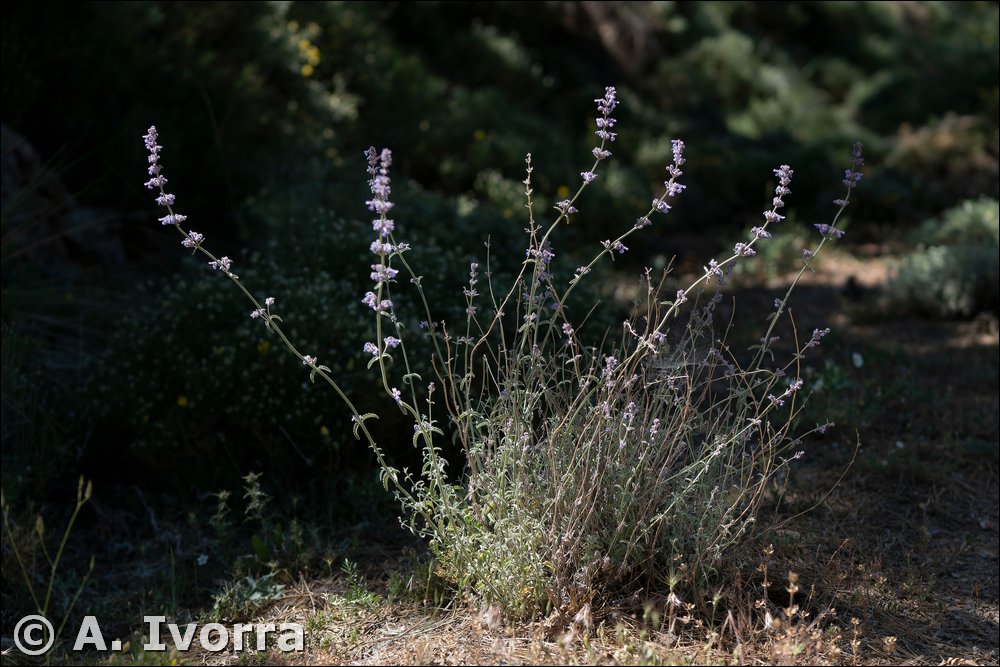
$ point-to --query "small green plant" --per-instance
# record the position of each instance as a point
(591, 469)
(238, 600)
(42, 598)
(255, 496)
(276, 541)
(357, 593)
(220, 520)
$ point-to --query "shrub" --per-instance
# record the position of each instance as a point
(591, 469)
(955, 269)
(974, 222)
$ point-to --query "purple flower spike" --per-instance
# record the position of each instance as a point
(853, 175)
(606, 106)
(677, 146)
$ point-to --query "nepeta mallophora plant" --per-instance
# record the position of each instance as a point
(589, 471)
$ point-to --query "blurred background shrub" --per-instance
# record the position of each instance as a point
(955, 269)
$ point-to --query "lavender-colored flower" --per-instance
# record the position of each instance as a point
(566, 207)
(606, 106)
(784, 174)
(391, 341)
(156, 182)
(398, 397)
(588, 176)
(165, 199)
(760, 233)
(383, 306)
(775, 400)
(269, 301)
(384, 226)
(544, 256)
(173, 219)
(743, 250)
(223, 263)
(567, 329)
(615, 246)
(545, 253)
(829, 231)
(817, 335)
(714, 269)
(258, 312)
(382, 274)
(777, 304)
(308, 360)
(605, 135)
(378, 169)
(371, 348)
(610, 363)
(379, 248)
(853, 176)
(193, 240)
(677, 146)
(600, 153)
(807, 254)
(673, 188)
(380, 206)
(150, 140)
(681, 297)
(795, 386)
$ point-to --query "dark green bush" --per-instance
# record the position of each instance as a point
(266, 98)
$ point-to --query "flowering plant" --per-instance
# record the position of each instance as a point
(590, 471)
